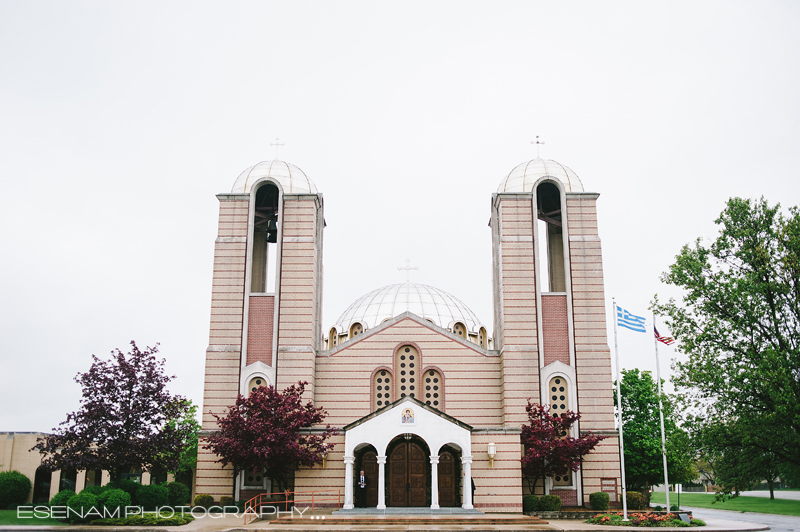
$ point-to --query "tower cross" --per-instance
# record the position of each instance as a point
(538, 143)
(408, 269)
(278, 143)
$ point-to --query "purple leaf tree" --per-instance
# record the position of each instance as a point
(263, 431)
(549, 449)
(128, 420)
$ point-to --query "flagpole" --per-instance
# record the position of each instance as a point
(661, 414)
(619, 410)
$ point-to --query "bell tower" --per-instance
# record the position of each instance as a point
(266, 298)
(549, 312)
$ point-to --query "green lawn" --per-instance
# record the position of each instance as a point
(739, 504)
(9, 517)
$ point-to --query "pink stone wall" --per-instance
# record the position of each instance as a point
(260, 330)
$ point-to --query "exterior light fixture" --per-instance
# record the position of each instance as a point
(407, 435)
(324, 458)
(492, 453)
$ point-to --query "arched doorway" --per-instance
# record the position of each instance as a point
(449, 474)
(409, 472)
(367, 461)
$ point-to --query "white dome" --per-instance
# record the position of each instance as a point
(443, 309)
(291, 178)
(523, 176)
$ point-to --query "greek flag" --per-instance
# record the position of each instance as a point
(630, 321)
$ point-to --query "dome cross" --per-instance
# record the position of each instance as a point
(537, 142)
(278, 144)
(408, 269)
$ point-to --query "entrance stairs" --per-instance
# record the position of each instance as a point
(407, 511)
(417, 519)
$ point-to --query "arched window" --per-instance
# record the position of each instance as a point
(550, 235)
(356, 329)
(254, 383)
(265, 237)
(559, 404)
(382, 388)
(407, 366)
(252, 480)
(433, 388)
(332, 337)
(482, 338)
(460, 329)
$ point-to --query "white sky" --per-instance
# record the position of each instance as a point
(120, 121)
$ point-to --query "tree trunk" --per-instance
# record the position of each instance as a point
(771, 490)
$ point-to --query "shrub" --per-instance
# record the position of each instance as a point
(128, 486)
(206, 501)
(146, 520)
(179, 494)
(14, 488)
(698, 522)
(550, 503)
(635, 501)
(114, 499)
(599, 501)
(226, 501)
(658, 508)
(62, 497)
(674, 508)
(530, 503)
(152, 496)
(81, 504)
(94, 490)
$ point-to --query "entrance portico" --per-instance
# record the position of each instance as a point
(388, 429)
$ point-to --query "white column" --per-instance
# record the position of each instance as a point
(80, 481)
(381, 483)
(466, 461)
(434, 482)
(55, 481)
(348, 482)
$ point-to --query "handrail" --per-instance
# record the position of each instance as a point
(253, 506)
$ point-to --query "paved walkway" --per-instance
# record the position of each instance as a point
(779, 494)
(233, 524)
(776, 523)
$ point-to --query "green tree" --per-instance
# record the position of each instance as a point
(739, 323)
(644, 464)
(736, 466)
(188, 421)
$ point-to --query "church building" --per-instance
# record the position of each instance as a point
(427, 399)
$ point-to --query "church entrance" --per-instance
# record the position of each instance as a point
(368, 462)
(449, 479)
(409, 470)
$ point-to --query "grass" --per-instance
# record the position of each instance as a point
(9, 517)
(739, 504)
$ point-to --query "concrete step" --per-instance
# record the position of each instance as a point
(416, 520)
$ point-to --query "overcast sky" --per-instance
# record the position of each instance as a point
(121, 121)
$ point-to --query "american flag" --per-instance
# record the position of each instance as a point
(669, 340)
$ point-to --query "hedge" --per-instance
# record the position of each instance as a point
(599, 501)
(14, 488)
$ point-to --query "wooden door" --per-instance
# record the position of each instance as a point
(398, 469)
(408, 475)
(417, 475)
(448, 480)
(369, 463)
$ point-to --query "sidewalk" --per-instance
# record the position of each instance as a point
(236, 524)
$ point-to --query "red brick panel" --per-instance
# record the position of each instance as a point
(259, 329)
(555, 331)
(568, 497)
